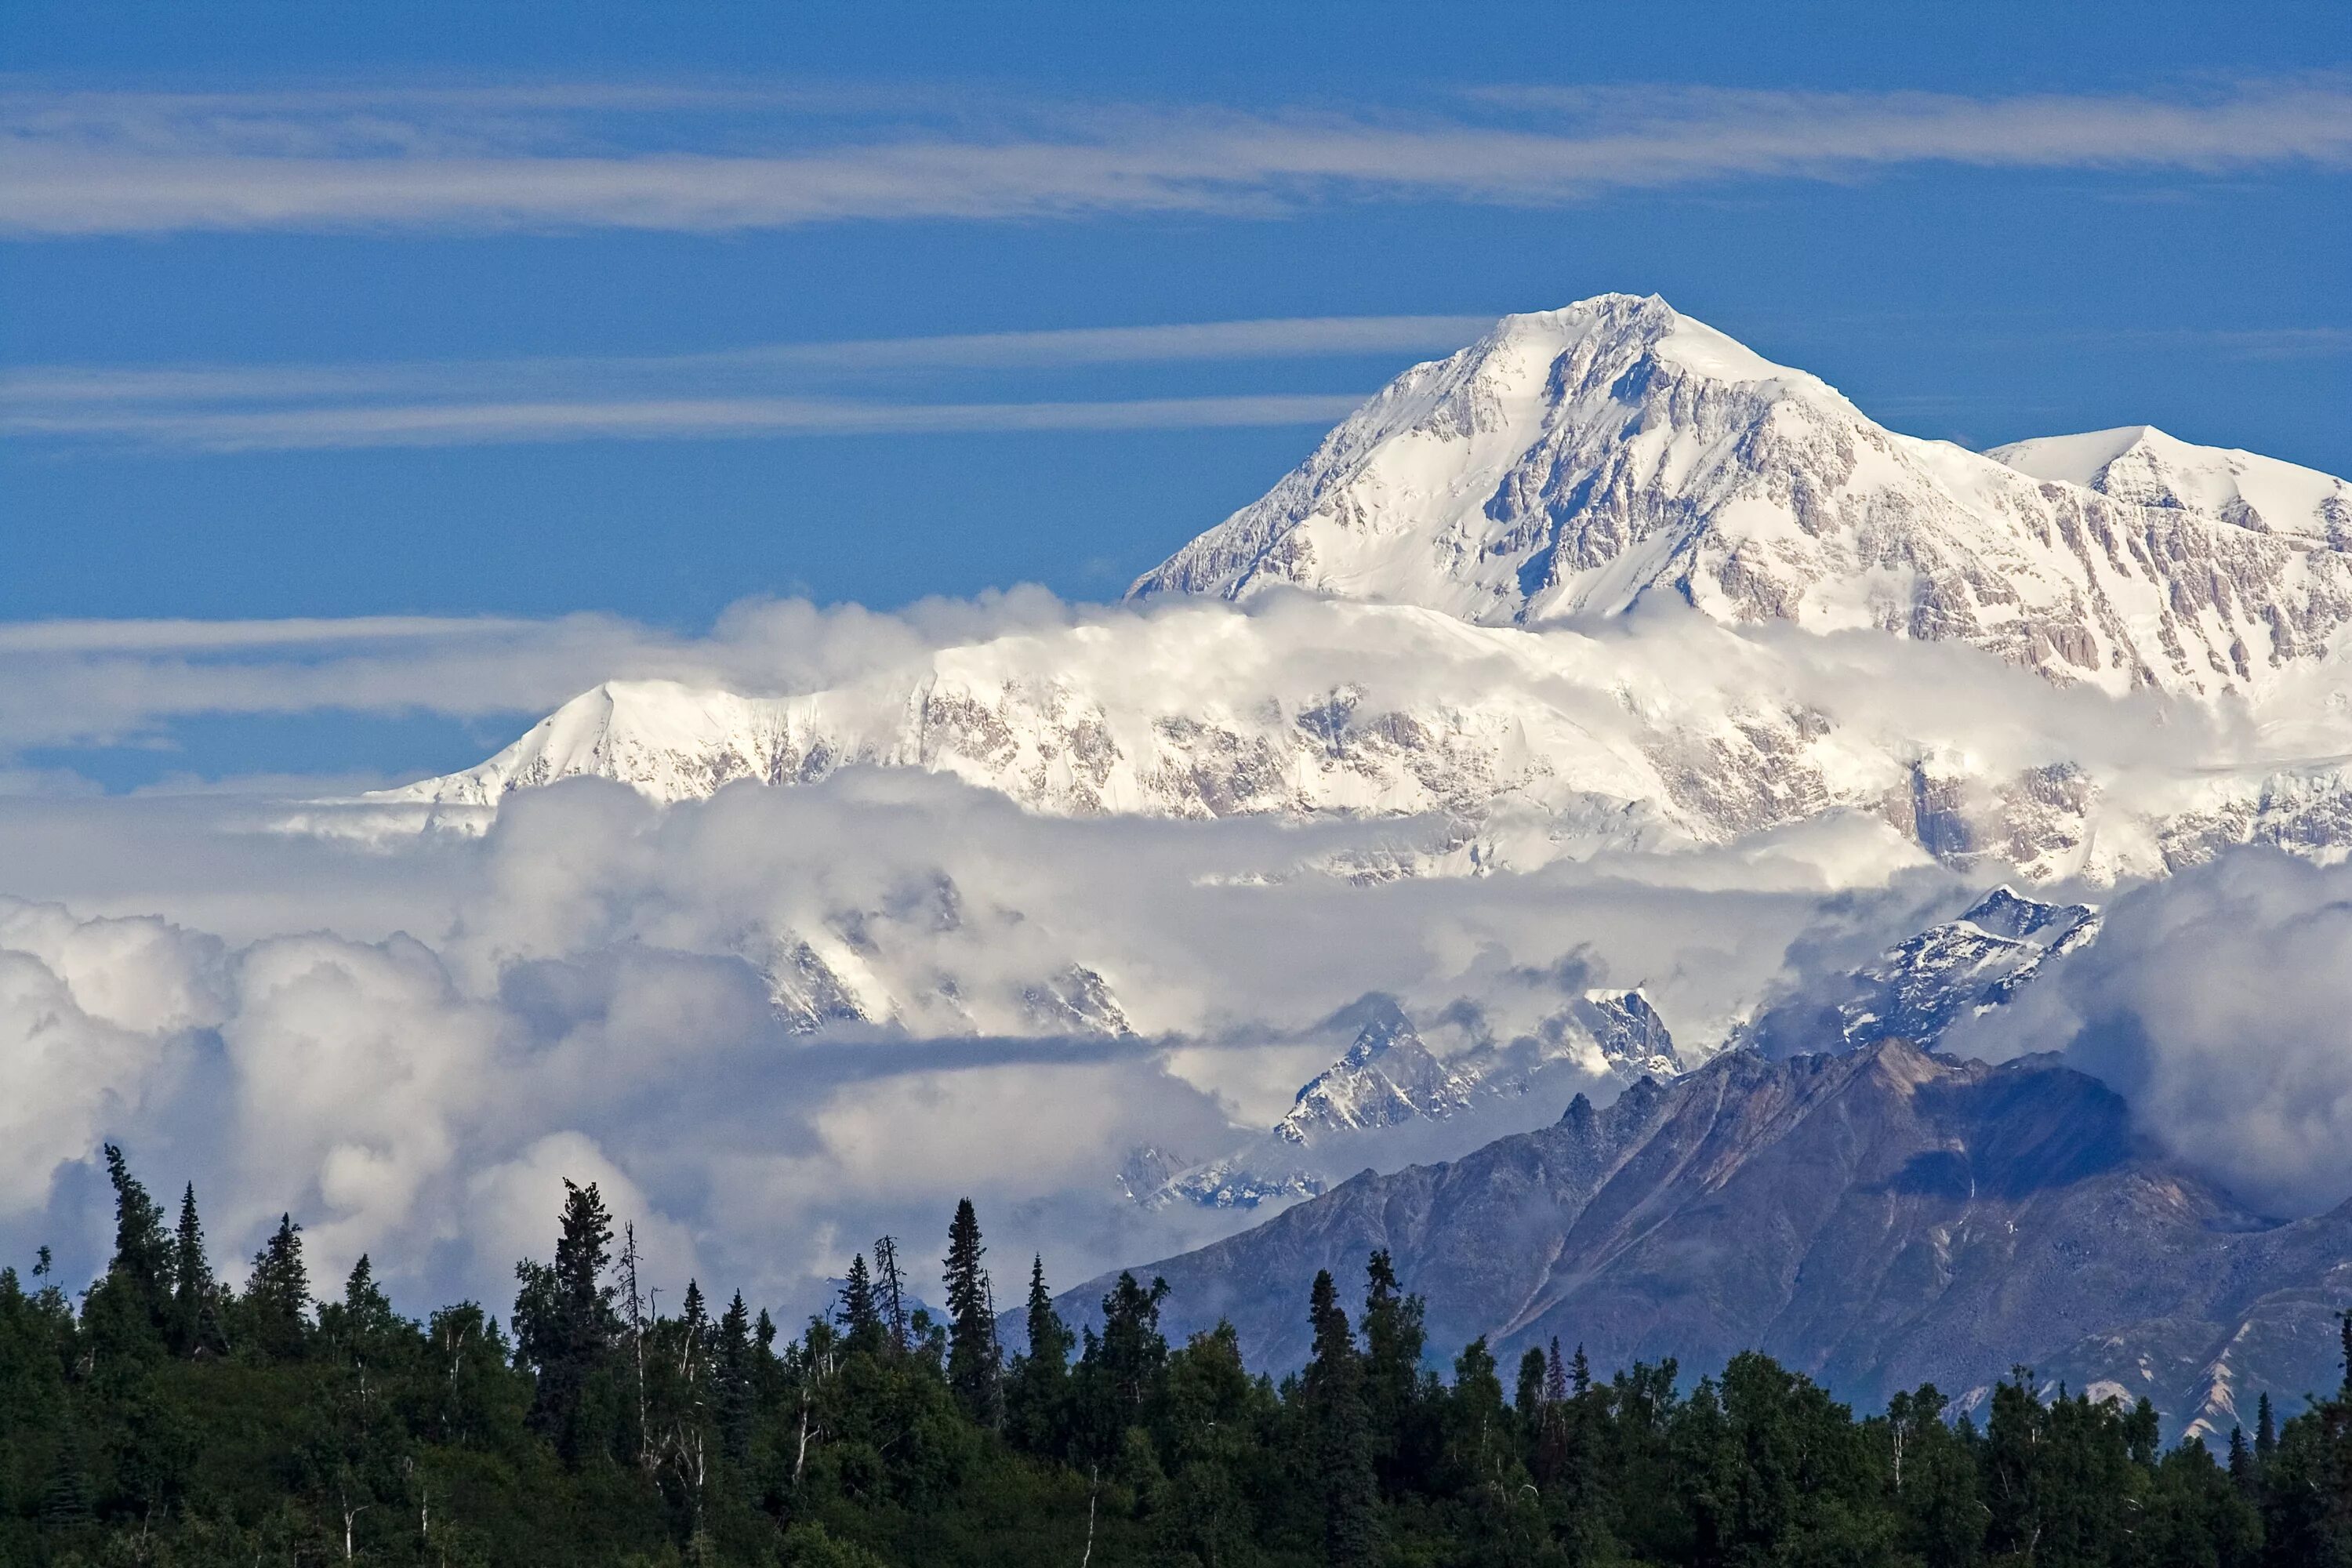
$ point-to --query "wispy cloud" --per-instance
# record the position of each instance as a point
(654, 158)
(764, 390)
(660, 419)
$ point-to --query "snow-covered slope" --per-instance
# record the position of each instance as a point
(1390, 1081)
(1921, 987)
(1593, 460)
(2143, 466)
(1514, 746)
(1575, 460)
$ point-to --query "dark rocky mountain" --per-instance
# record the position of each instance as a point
(1876, 1219)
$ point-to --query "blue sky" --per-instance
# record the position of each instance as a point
(522, 311)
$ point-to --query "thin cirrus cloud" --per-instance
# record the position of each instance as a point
(675, 419)
(542, 158)
(757, 391)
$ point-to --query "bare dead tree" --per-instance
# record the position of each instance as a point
(890, 1289)
(636, 1304)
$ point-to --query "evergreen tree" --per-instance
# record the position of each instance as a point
(383, 1442)
(131, 1312)
(275, 1311)
(1121, 1369)
(1333, 1387)
(859, 1314)
(195, 1295)
(975, 1365)
(1528, 1398)
(1394, 1341)
(565, 1321)
(1038, 1388)
(67, 1498)
(732, 1367)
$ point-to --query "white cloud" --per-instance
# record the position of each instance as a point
(765, 390)
(659, 419)
(128, 163)
(408, 1045)
(581, 992)
(2217, 1003)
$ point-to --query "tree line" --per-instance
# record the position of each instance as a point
(164, 1418)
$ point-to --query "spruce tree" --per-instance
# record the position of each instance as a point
(974, 1362)
(1394, 1339)
(1528, 1398)
(137, 1284)
(66, 1499)
(2266, 1431)
(565, 1319)
(1038, 1388)
(1555, 1375)
(859, 1314)
(1333, 1387)
(275, 1307)
(733, 1364)
(2241, 1461)
(195, 1295)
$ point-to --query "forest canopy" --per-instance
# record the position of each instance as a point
(164, 1417)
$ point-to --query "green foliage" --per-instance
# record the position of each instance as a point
(172, 1422)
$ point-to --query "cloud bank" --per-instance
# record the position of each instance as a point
(413, 1048)
(409, 1043)
(2219, 1002)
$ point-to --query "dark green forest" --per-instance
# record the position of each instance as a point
(166, 1419)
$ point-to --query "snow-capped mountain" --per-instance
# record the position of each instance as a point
(1389, 1080)
(1921, 987)
(1388, 1075)
(1574, 462)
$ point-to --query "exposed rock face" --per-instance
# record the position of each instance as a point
(1877, 1219)
(1574, 460)
(1389, 1079)
(1580, 462)
(1922, 987)
(1388, 1076)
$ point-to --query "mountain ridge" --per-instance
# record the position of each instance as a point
(1572, 462)
(1879, 1218)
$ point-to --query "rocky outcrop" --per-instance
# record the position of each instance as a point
(1876, 1219)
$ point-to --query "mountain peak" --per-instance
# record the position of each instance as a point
(2144, 467)
(1575, 461)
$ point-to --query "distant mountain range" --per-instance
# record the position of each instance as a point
(1876, 1218)
(1416, 681)
(1608, 584)
(1389, 1080)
